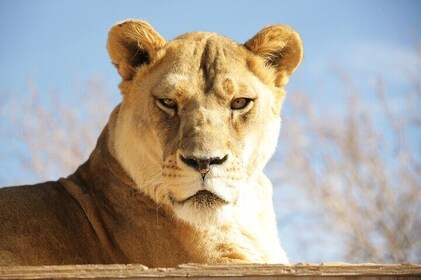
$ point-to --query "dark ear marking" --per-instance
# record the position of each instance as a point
(140, 57)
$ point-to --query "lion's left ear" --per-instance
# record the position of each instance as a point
(281, 48)
(133, 43)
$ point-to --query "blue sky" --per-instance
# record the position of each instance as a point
(60, 43)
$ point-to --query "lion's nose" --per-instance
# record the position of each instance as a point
(203, 164)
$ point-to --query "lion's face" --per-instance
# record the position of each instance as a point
(199, 119)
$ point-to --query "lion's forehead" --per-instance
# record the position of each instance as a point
(205, 60)
(202, 49)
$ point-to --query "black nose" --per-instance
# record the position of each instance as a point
(203, 164)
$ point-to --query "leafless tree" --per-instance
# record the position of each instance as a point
(361, 166)
(57, 131)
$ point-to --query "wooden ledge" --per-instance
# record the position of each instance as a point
(250, 271)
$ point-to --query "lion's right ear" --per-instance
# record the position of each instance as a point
(133, 43)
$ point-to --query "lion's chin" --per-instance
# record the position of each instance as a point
(203, 209)
(202, 199)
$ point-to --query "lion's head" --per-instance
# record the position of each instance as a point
(200, 114)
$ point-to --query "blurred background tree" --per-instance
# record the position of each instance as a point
(359, 167)
(55, 135)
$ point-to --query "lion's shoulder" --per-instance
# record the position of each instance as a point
(42, 216)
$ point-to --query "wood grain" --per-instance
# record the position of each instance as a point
(297, 271)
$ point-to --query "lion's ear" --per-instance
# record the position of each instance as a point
(133, 43)
(281, 48)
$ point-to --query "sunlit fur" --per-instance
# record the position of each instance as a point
(203, 73)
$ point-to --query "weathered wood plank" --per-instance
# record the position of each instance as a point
(133, 271)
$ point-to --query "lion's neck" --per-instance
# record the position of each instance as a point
(103, 177)
(124, 218)
(131, 227)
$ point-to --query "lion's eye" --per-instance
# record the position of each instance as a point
(168, 103)
(240, 103)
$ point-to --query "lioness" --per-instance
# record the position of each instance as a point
(177, 173)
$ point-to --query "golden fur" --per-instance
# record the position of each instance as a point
(177, 173)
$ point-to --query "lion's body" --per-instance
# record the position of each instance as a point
(93, 216)
(177, 174)
(98, 216)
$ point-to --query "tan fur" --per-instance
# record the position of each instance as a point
(138, 199)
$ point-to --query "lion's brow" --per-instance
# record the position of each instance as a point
(212, 57)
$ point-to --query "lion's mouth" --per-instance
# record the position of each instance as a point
(202, 198)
